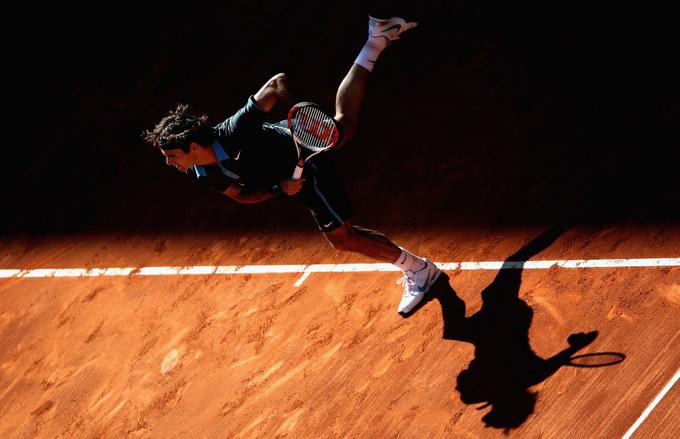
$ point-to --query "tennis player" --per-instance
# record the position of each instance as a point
(251, 160)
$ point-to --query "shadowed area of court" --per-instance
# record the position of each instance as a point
(484, 114)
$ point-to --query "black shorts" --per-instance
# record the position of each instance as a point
(324, 194)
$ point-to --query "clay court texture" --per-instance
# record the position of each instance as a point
(253, 355)
(537, 165)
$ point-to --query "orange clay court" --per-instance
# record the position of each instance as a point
(251, 355)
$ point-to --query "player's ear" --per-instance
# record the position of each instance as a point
(193, 147)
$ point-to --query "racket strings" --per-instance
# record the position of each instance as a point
(314, 128)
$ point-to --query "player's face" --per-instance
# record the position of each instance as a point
(178, 158)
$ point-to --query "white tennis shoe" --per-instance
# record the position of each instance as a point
(416, 285)
(389, 28)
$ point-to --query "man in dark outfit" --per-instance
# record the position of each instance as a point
(251, 161)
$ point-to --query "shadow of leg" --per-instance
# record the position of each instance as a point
(453, 308)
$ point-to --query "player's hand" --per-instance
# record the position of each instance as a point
(407, 26)
(290, 186)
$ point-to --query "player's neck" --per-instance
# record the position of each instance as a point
(205, 156)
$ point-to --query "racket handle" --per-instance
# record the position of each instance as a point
(297, 173)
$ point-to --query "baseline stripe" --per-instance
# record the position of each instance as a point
(9, 273)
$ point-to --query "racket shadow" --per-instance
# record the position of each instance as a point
(504, 367)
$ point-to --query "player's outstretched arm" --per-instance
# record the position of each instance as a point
(276, 89)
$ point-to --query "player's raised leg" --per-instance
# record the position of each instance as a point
(419, 274)
(350, 95)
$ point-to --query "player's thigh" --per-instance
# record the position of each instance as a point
(325, 196)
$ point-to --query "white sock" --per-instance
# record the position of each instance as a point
(407, 261)
(370, 52)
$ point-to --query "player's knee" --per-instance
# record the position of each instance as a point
(342, 239)
(346, 245)
(348, 125)
(340, 243)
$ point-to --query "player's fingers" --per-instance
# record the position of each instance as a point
(407, 26)
(297, 187)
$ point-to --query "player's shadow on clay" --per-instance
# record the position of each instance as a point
(505, 366)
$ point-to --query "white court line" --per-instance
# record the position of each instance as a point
(304, 276)
(649, 409)
(307, 270)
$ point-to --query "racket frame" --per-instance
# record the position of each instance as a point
(300, 144)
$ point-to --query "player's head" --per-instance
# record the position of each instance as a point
(180, 135)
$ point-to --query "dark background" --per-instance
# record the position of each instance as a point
(487, 113)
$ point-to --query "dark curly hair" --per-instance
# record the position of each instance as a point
(179, 129)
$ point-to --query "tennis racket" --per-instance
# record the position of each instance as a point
(313, 132)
